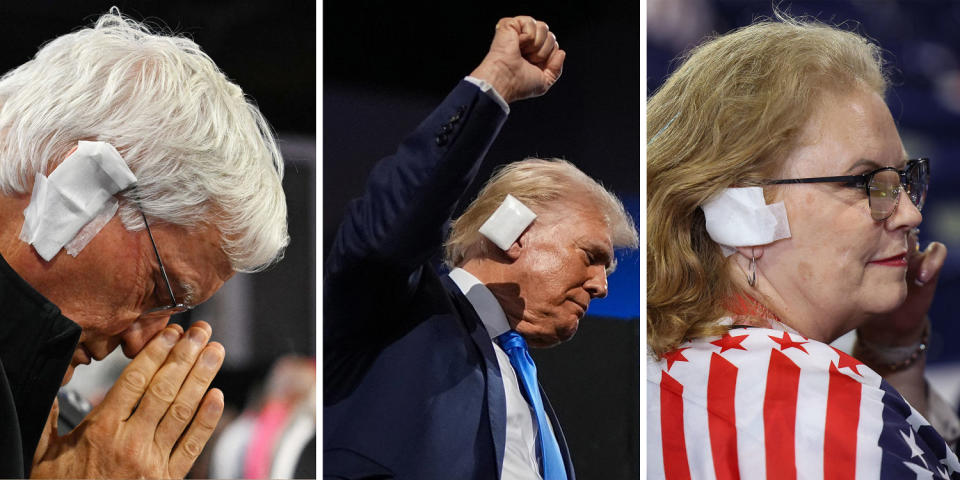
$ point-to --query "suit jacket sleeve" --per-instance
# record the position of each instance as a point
(390, 232)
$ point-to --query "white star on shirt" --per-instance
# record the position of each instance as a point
(915, 419)
(922, 473)
(915, 451)
(942, 470)
(948, 465)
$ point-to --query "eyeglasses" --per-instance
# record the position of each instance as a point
(882, 186)
(173, 307)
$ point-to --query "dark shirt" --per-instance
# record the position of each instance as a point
(36, 345)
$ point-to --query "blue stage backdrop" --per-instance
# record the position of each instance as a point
(623, 301)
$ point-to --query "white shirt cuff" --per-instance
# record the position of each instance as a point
(485, 87)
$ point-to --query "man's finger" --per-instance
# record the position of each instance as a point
(526, 28)
(554, 65)
(166, 383)
(180, 414)
(537, 36)
(191, 444)
(543, 53)
(129, 388)
(49, 432)
(543, 33)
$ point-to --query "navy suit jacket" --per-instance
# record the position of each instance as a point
(412, 387)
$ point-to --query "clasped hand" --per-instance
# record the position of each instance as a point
(154, 421)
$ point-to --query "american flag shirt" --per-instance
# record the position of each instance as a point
(767, 403)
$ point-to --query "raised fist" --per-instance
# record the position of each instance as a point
(524, 60)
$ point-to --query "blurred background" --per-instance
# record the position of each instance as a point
(266, 321)
(921, 39)
(386, 65)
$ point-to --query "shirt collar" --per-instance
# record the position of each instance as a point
(483, 302)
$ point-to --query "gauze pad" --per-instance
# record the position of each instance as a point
(740, 217)
(79, 190)
(508, 221)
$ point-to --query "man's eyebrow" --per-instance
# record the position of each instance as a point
(599, 251)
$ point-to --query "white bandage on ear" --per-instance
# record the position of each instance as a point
(70, 207)
(506, 224)
(740, 217)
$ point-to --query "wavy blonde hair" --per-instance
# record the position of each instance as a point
(727, 117)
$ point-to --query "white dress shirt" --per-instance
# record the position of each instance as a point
(520, 450)
(487, 88)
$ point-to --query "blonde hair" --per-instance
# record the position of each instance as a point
(540, 184)
(727, 117)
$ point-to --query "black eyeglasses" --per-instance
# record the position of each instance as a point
(173, 307)
(882, 186)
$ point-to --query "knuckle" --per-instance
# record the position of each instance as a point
(184, 355)
(193, 446)
(208, 422)
(134, 380)
(181, 413)
(164, 390)
(202, 375)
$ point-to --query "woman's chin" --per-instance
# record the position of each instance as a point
(886, 300)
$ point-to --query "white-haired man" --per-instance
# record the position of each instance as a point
(427, 376)
(135, 179)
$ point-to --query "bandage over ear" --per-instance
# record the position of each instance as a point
(68, 208)
(740, 217)
(508, 221)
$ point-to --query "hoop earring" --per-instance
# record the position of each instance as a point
(752, 278)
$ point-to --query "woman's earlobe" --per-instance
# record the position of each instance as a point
(751, 252)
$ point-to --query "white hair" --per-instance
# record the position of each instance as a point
(202, 152)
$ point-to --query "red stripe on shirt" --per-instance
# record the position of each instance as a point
(721, 391)
(780, 416)
(840, 436)
(675, 464)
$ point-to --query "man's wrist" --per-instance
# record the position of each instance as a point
(490, 90)
(498, 76)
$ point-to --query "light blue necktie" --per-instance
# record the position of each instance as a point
(516, 348)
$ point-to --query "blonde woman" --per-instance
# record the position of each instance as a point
(780, 209)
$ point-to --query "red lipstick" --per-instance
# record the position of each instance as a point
(899, 260)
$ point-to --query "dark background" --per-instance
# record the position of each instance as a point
(387, 64)
(921, 40)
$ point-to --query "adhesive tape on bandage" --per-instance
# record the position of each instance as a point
(68, 208)
(506, 224)
(740, 217)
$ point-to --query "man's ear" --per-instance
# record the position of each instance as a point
(516, 248)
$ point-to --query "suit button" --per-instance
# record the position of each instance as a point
(445, 129)
(441, 139)
(455, 118)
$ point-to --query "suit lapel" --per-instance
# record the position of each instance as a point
(496, 398)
